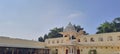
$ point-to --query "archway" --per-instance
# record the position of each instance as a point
(66, 51)
(78, 51)
(92, 52)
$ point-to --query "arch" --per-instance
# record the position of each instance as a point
(92, 39)
(66, 51)
(78, 40)
(78, 51)
(56, 51)
(65, 35)
(73, 37)
(92, 52)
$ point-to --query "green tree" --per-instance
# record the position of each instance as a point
(54, 33)
(78, 28)
(107, 27)
(45, 36)
(41, 39)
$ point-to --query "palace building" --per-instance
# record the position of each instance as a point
(72, 42)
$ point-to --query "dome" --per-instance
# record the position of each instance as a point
(69, 28)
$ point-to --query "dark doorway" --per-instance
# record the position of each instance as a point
(78, 51)
(66, 51)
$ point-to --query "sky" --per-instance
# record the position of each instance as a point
(30, 19)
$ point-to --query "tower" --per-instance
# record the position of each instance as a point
(69, 31)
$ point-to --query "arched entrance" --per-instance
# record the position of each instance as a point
(56, 51)
(92, 52)
(78, 51)
(66, 51)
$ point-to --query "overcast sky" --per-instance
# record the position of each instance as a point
(29, 19)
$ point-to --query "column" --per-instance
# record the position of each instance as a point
(70, 50)
(63, 51)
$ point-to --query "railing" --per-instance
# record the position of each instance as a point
(100, 43)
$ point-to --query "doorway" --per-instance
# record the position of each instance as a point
(66, 51)
(78, 51)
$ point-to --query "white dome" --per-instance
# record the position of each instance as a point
(69, 28)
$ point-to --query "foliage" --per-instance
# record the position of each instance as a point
(54, 33)
(78, 28)
(107, 27)
(40, 39)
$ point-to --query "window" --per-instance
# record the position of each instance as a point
(117, 47)
(110, 39)
(65, 35)
(92, 52)
(73, 37)
(92, 39)
(78, 40)
(106, 47)
(100, 39)
(111, 47)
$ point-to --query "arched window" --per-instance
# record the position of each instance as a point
(85, 39)
(73, 37)
(65, 35)
(92, 52)
(110, 38)
(92, 40)
(78, 40)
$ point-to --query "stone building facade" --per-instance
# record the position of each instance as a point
(74, 42)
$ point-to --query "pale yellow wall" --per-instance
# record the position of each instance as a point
(100, 46)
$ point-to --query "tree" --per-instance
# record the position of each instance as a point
(78, 28)
(54, 33)
(45, 36)
(41, 39)
(107, 27)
